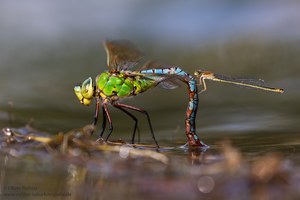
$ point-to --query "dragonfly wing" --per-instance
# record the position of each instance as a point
(155, 65)
(170, 84)
(121, 54)
(166, 81)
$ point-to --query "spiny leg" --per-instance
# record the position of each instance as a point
(96, 113)
(97, 116)
(109, 121)
(103, 123)
(143, 112)
(132, 116)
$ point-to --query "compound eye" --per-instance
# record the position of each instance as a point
(77, 90)
(87, 88)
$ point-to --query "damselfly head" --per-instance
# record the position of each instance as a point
(198, 72)
(204, 74)
(85, 92)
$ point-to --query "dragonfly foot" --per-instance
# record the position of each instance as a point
(194, 141)
(100, 140)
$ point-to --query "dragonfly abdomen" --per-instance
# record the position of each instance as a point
(171, 70)
(191, 112)
(119, 85)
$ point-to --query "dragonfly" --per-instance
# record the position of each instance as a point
(124, 79)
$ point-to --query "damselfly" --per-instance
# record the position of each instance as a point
(244, 82)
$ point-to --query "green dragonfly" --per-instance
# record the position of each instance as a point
(123, 80)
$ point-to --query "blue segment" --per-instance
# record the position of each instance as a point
(172, 70)
(182, 73)
(192, 85)
(159, 71)
(191, 105)
(148, 71)
(193, 102)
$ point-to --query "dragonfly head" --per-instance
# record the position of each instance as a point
(85, 91)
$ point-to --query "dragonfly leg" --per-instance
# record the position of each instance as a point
(143, 112)
(109, 121)
(103, 123)
(96, 114)
(133, 117)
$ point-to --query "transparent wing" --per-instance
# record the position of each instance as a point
(244, 81)
(162, 81)
(169, 84)
(166, 81)
(155, 65)
(247, 82)
(121, 54)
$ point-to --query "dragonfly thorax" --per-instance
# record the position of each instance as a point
(113, 86)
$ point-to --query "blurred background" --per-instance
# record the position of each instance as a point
(46, 47)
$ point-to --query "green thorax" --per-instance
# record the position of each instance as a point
(121, 85)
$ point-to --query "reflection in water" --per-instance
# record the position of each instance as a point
(4, 160)
(196, 155)
(76, 180)
(137, 171)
